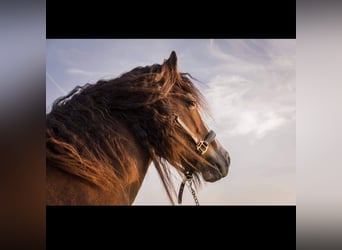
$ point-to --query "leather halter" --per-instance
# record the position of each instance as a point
(201, 145)
(201, 148)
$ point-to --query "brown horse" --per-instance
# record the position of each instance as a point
(102, 137)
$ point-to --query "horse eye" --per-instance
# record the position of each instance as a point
(192, 104)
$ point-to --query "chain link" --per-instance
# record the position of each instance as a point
(189, 180)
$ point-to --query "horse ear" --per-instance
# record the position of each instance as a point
(172, 61)
(169, 67)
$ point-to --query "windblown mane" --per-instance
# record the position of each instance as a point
(82, 134)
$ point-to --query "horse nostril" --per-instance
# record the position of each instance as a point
(227, 157)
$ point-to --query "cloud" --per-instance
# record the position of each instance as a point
(257, 122)
(217, 53)
(75, 71)
(79, 72)
(253, 90)
(240, 112)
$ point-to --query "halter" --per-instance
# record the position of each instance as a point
(201, 148)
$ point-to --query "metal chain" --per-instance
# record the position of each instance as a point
(189, 180)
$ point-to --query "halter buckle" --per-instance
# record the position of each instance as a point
(202, 147)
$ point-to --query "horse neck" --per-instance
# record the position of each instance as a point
(79, 192)
(142, 161)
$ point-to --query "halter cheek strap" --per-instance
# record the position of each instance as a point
(183, 125)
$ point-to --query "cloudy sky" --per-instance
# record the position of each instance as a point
(250, 86)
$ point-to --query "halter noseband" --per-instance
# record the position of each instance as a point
(201, 148)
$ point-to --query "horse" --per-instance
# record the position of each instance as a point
(102, 137)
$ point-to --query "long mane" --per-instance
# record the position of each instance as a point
(82, 127)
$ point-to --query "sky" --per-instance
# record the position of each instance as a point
(250, 88)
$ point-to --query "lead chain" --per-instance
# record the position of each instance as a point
(189, 180)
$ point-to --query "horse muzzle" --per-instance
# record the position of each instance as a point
(221, 160)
